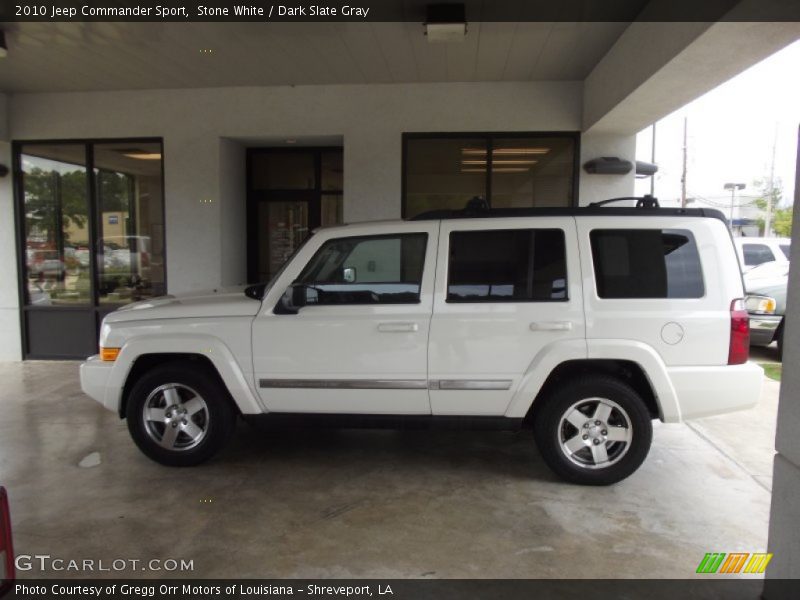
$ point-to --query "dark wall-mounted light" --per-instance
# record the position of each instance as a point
(445, 23)
(645, 169)
(3, 47)
(608, 165)
(3, 170)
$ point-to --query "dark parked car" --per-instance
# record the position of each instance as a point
(766, 303)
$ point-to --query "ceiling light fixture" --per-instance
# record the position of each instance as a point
(496, 170)
(499, 162)
(505, 151)
(144, 155)
(445, 23)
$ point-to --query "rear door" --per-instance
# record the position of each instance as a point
(505, 290)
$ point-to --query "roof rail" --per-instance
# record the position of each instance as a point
(646, 201)
(645, 206)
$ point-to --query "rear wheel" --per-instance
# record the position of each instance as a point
(780, 341)
(179, 415)
(594, 431)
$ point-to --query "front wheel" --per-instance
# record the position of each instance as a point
(179, 415)
(594, 431)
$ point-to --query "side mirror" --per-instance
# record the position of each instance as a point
(299, 296)
(349, 274)
(292, 300)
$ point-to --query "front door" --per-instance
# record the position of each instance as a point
(360, 343)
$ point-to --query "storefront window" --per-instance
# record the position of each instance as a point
(130, 244)
(56, 207)
(447, 171)
(91, 238)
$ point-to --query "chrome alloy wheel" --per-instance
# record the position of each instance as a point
(595, 433)
(175, 417)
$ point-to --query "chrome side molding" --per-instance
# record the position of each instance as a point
(346, 384)
(388, 384)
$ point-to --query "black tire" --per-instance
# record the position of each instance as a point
(549, 430)
(216, 420)
(780, 340)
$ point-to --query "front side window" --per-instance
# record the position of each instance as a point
(510, 265)
(756, 254)
(384, 269)
(646, 263)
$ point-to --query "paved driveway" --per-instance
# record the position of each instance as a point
(372, 503)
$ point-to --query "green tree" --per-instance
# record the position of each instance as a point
(45, 191)
(782, 222)
(767, 192)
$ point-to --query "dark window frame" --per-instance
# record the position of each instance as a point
(489, 137)
(663, 230)
(488, 300)
(405, 234)
(99, 311)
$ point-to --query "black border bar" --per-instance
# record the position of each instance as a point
(261, 11)
(710, 587)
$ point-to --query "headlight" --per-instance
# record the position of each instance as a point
(760, 305)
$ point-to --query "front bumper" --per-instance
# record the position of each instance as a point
(94, 380)
(763, 328)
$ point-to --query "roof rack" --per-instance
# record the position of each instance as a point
(645, 206)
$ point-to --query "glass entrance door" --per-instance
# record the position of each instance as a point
(284, 226)
(290, 192)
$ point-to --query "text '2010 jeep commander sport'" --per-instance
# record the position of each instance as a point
(583, 324)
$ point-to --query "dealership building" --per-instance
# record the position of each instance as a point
(152, 158)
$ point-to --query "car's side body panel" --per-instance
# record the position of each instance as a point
(683, 331)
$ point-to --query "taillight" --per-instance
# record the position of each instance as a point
(6, 548)
(739, 350)
(145, 260)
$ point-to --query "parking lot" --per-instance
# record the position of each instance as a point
(371, 503)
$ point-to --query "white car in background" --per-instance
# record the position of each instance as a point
(755, 251)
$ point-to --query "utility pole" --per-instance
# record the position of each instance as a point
(771, 194)
(653, 160)
(683, 174)
(733, 187)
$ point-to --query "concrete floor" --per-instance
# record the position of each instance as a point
(372, 503)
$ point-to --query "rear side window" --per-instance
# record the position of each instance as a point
(646, 263)
(756, 254)
(787, 250)
(509, 265)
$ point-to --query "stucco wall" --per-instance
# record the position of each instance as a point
(203, 150)
(784, 525)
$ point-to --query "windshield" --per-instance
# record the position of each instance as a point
(259, 290)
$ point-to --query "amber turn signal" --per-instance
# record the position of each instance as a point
(109, 354)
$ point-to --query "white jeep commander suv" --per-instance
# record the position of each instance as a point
(582, 324)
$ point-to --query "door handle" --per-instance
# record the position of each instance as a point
(397, 327)
(551, 326)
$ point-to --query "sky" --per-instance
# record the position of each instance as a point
(731, 131)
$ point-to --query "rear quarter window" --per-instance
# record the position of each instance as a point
(646, 263)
